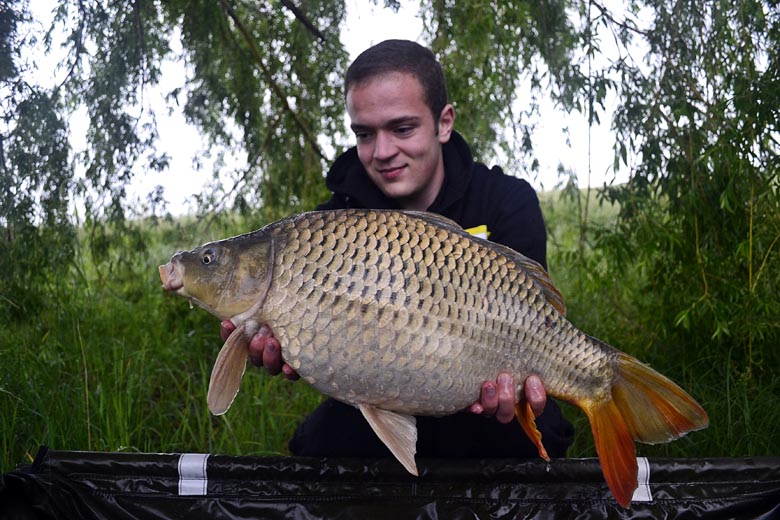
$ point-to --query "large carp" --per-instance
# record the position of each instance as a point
(404, 313)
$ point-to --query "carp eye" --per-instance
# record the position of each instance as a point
(208, 257)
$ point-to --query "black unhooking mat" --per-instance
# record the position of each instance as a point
(76, 485)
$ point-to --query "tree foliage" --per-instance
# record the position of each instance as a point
(263, 79)
(701, 211)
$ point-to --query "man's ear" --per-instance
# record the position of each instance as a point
(446, 123)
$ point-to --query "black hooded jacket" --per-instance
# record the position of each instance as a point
(472, 195)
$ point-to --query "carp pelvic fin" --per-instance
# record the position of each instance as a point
(645, 406)
(525, 416)
(397, 431)
(228, 371)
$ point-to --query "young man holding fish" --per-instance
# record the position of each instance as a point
(409, 157)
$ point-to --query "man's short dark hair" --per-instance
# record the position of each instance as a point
(402, 56)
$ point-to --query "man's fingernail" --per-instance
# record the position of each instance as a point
(270, 347)
(505, 379)
(490, 391)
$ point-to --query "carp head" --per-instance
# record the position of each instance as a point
(229, 278)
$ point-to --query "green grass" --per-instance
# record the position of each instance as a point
(111, 363)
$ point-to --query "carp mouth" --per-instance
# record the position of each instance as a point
(170, 277)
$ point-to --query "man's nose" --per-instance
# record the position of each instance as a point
(384, 146)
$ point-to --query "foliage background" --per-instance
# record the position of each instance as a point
(678, 266)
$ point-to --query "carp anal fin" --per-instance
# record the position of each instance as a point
(527, 419)
(397, 431)
(228, 371)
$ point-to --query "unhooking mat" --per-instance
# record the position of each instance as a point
(92, 485)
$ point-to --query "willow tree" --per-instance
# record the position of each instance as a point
(696, 85)
(701, 210)
(263, 80)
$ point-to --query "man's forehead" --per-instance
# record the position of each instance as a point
(384, 78)
(386, 100)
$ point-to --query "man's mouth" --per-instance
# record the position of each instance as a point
(390, 174)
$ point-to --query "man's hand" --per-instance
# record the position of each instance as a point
(498, 397)
(264, 350)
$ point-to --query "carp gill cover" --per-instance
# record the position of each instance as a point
(404, 313)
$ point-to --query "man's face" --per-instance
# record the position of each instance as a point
(398, 142)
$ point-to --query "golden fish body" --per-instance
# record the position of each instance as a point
(404, 313)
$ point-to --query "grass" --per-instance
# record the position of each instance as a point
(110, 363)
(113, 364)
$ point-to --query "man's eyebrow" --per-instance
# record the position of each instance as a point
(403, 120)
(398, 121)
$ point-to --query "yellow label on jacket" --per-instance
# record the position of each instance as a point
(479, 231)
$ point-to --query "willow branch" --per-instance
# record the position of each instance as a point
(310, 138)
(301, 17)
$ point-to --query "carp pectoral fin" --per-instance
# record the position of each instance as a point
(526, 418)
(228, 371)
(397, 431)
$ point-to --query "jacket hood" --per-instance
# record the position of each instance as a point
(349, 179)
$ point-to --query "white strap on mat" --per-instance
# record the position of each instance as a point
(642, 491)
(192, 474)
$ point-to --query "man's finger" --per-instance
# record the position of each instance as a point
(506, 398)
(226, 328)
(535, 394)
(290, 373)
(272, 355)
(488, 399)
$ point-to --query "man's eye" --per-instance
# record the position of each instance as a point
(361, 136)
(404, 130)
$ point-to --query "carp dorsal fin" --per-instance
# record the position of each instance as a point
(397, 431)
(532, 267)
(537, 272)
(435, 219)
(229, 369)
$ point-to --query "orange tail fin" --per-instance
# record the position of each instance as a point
(645, 407)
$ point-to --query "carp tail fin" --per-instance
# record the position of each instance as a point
(645, 406)
(615, 448)
(654, 408)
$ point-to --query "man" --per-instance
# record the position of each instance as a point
(409, 157)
